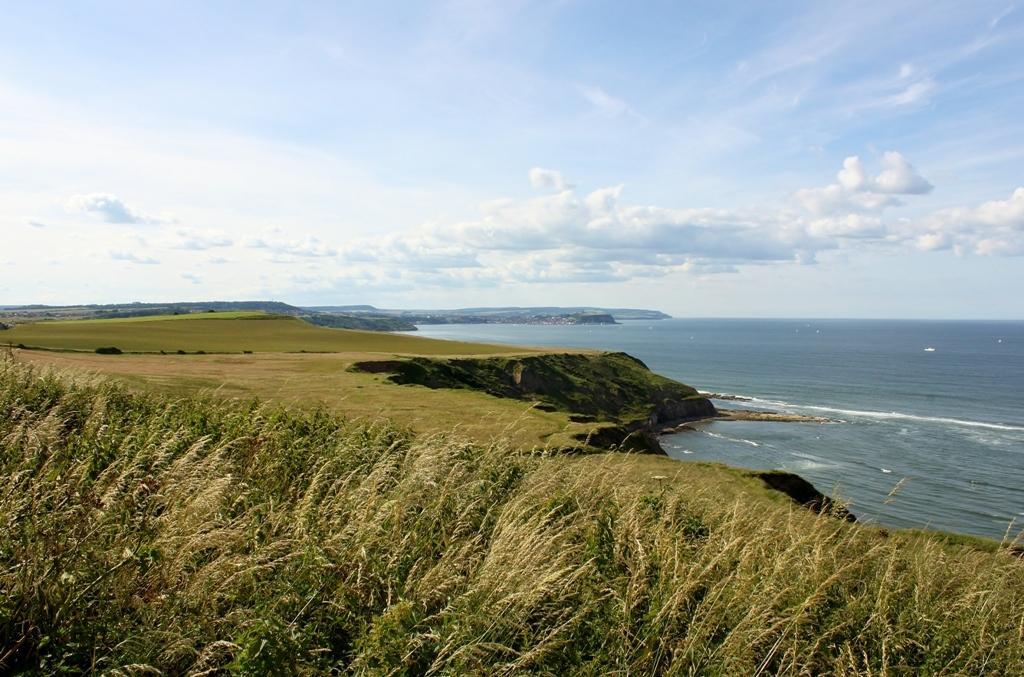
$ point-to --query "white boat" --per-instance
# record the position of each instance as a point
(929, 349)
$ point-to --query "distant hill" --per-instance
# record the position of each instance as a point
(363, 320)
(508, 314)
(356, 316)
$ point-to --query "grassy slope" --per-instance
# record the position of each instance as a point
(212, 333)
(325, 379)
(191, 534)
(308, 381)
(304, 380)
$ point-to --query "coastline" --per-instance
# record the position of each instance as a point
(743, 415)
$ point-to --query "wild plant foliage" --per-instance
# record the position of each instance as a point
(140, 534)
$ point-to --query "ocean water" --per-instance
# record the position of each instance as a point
(945, 428)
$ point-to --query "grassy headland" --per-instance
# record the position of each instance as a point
(144, 532)
(227, 332)
(534, 398)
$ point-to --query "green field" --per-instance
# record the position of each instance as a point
(214, 333)
(295, 364)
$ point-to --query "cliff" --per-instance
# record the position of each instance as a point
(614, 390)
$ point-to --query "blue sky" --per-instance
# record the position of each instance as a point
(736, 159)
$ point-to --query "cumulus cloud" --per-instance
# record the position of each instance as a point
(897, 178)
(110, 208)
(568, 236)
(994, 228)
(548, 179)
(858, 191)
(572, 237)
(565, 235)
(900, 178)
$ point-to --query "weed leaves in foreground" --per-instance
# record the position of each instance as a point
(141, 533)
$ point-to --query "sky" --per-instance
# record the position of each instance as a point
(783, 159)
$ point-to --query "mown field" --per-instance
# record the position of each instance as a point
(278, 372)
(228, 332)
(144, 533)
(325, 380)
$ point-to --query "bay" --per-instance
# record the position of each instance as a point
(948, 422)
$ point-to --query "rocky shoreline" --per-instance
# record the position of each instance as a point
(743, 415)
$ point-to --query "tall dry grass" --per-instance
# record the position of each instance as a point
(141, 535)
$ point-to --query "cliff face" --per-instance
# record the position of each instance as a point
(614, 389)
(803, 493)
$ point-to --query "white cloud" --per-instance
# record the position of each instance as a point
(835, 199)
(605, 102)
(857, 191)
(912, 94)
(133, 258)
(897, 178)
(569, 237)
(566, 237)
(853, 176)
(548, 179)
(197, 240)
(284, 247)
(994, 228)
(110, 208)
(848, 226)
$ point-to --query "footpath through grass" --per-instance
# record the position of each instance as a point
(143, 533)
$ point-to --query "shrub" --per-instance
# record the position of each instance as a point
(109, 350)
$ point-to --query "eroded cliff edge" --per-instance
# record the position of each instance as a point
(626, 401)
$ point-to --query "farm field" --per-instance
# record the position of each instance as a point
(303, 381)
(228, 332)
(278, 372)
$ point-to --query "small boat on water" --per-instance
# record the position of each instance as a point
(929, 349)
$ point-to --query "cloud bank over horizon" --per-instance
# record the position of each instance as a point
(793, 159)
(563, 235)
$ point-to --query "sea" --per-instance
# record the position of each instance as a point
(927, 417)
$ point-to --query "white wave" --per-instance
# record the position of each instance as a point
(731, 439)
(896, 415)
(813, 465)
(892, 415)
(886, 470)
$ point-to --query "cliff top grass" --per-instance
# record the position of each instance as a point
(607, 386)
(147, 533)
(307, 381)
(228, 332)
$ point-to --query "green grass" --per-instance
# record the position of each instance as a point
(307, 381)
(213, 333)
(221, 315)
(144, 533)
